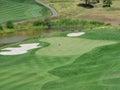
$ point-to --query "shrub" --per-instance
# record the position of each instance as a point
(10, 24)
(108, 24)
(1, 28)
(38, 23)
(96, 22)
(46, 22)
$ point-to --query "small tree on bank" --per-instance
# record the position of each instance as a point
(97, 1)
(45, 22)
(48, 23)
(1, 28)
(10, 25)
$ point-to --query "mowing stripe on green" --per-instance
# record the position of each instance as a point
(15, 10)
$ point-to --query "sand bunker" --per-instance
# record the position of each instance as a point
(75, 34)
(19, 50)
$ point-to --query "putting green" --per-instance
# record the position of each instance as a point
(63, 46)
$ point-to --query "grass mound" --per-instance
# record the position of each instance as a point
(21, 9)
(96, 70)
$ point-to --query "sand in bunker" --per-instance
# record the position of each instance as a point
(75, 34)
(19, 50)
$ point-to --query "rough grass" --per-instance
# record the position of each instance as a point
(21, 9)
(71, 9)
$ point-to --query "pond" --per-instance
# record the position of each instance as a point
(12, 39)
(18, 36)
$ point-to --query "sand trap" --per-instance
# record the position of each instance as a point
(19, 50)
(75, 34)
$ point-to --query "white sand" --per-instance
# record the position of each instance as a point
(19, 50)
(75, 34)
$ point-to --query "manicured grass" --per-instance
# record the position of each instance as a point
(29, 71)
(63, 46)
(63, 63)
(103, 34)
(95, 70)
(19, 10)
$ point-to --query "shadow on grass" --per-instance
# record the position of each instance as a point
(89, 6)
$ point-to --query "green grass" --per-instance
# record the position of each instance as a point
(103, 34)
(16, 10)
(95, 70)
(63, 22)
(65, 46)
(76, 64)
(29, 71)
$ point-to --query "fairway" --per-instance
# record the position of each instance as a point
(59, 44)
(64, 63)
(63, 46)
(16, 10)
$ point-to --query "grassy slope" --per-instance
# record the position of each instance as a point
(95, 70)
(19, 10)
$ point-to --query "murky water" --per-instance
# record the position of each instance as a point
(18, 36)
(13, 39)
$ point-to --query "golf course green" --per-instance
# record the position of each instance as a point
(65, 46)
(65, 63)
(16, 10)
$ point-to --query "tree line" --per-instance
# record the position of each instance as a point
(106, 3)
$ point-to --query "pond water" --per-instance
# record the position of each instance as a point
(12, 39)
(18, 36)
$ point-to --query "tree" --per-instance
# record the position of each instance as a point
(107, 3)
(1, 28)
(45, 22)
(10, 24)
(48, 23)
(97, 1)
(87, 2)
